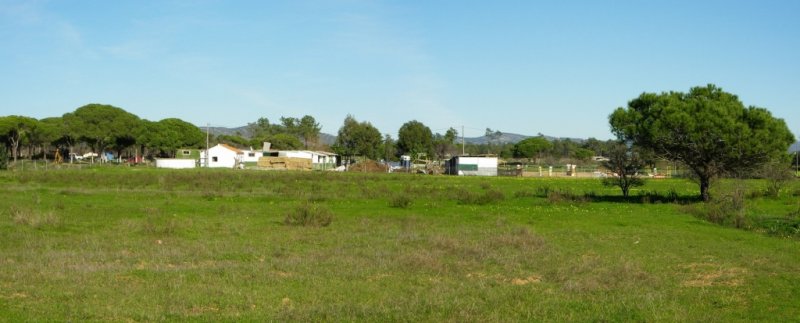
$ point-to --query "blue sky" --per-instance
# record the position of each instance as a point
(552, 67)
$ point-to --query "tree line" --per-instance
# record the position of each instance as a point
(706, 130)
(100, 128)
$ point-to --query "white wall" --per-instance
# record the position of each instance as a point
(225, 158)
(175, 163)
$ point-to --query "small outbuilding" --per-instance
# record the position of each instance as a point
(222, 156)
(472, 166)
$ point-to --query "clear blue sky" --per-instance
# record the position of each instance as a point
(528, 67)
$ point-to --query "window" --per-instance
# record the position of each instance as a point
(214, 159)
(251, 154)
(186, 152)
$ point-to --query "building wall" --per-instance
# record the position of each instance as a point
(175, 163)
(472, 166)
(221, 157)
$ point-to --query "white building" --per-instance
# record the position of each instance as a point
(472, 166)
(252, 156)
(222, 156)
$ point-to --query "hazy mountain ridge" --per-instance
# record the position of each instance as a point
(329, 139)
(512, 138)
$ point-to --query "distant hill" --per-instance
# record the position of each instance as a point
(216, 131)
(513, 138)
(794, 147)
(329, 139)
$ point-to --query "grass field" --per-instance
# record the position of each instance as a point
(147, 245)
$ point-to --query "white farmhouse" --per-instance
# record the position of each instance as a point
(222, 156)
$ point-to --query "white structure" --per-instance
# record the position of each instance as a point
(251, 156)
(472, 166)
(175, 163)
(222, 156)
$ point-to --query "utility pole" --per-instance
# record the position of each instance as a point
(462, 140)
(207, 135)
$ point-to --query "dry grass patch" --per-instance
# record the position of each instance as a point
(34, 218)
(592, 273)
(709, 274)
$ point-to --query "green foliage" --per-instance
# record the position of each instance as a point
(778, 174)
(414, 138)
(358, 139)
(169, 135)
(102, 126)
(401, 201)
(625, 164)
(309, 214)
(708, 130)
(285, 141)
(15, 129)
(583, 154)
(532, 147)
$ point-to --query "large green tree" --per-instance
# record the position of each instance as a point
(358, 139)
(532, 147)
(415, 138)
(15, 129)
(308, 128)
(103, 126)
(707, 129)
(169, 135)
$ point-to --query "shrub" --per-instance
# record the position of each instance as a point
(472, 198)
(401, 201)
(777, 174)
(728, 209)
(309, 214)
(558, 196)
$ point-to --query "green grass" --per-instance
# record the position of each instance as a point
(139, 244)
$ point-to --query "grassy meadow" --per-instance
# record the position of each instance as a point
(136, 244)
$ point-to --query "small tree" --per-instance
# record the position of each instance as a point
(778, 174)
(625, 163)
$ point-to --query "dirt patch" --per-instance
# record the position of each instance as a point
(707, 274)
(525, 281)
(516, 281)
(369, 166)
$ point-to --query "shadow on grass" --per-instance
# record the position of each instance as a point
(645, 199)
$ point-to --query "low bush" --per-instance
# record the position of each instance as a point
(474, 198)
(728, 209)
(560, 196)
(309, 214)
(400, 201)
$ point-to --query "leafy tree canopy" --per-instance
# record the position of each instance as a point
(707, 129)
(414, 138)
(358, 139)
(102, 125)
(531, 147)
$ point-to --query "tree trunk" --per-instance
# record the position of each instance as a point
(14, 148)
(704, 184)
